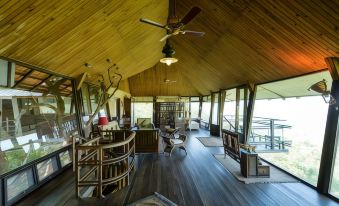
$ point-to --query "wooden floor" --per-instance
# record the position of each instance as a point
(195, 179)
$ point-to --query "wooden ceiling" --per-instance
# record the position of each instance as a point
(246, 40)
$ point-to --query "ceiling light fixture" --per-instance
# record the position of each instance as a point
(168, 51)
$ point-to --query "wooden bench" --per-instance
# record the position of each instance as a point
(231, 144)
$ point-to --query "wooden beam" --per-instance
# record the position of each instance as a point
(329, 144)
(23, 78)
(333, 67)
(40, 83)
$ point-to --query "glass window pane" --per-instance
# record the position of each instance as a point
(142, 110)
(334, 187)
(289, 123)
(229, 110)
(206, 110)
(46, 168)
(18, 183)
(65, 158)
(215, 109)
(194, 110)
(35, 123)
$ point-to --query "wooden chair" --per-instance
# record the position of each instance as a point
(175, 143)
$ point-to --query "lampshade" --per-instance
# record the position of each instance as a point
(168, 60)
(103, 120)
(321, 87)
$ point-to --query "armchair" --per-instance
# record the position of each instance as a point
(175, 143)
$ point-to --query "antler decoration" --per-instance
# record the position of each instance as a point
(104, 96)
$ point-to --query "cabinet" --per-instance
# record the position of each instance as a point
(248, 163)
(170, 114)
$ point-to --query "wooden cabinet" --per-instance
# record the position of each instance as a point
(169, 114)
(249, 163)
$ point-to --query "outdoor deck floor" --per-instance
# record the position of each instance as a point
(195, 179)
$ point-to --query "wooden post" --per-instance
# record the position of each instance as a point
(250, 108)
(237, 110)
(331, 131)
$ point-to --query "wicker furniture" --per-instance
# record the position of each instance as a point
(172, 144)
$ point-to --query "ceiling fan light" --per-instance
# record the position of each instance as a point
(168, 60)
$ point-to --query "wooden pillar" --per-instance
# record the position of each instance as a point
(237, 110)
(78, 107)
(251, 100)
(200, 106)
(330, 137)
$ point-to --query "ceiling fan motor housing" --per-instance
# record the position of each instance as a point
(168, 50)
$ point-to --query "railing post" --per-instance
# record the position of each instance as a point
(272, 132)
(100, 172)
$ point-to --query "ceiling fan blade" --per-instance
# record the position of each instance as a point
(147, 21)
(166, 37)
(190, 15)
(194, 33)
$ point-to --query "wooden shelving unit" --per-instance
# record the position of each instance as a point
(169, 114)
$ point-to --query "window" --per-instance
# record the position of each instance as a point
(142, 110)
(46, 168)
(36, 118)
(17, 184)
(289, 124)
(334, 187)
(195, 110)
(229, 110)
(206, 109)
(65, 158)
(215, 108)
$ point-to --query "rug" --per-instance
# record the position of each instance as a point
(211, 141)
(276, 176)
(156, 199)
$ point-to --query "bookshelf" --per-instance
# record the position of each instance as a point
(169, 114)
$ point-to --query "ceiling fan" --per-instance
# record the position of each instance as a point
(174, 25)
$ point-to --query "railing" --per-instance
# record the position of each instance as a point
(266, 133)
(104, 165)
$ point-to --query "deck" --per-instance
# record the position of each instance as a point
(195, 179)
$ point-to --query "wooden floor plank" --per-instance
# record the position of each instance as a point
(193, 179)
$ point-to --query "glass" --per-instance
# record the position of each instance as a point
(195, 110)
(17, 184)
(229, 110)
(334, 187)
(215, 109)
(46, 168)
(142, 110)
(288, 125)
(65, 158)
(36, 119)
(206, 110)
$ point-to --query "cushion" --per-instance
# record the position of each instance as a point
(177, 141)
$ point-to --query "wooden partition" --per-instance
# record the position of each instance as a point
(147, 141)
(102, 164)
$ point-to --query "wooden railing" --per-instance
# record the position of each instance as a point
(103, 165)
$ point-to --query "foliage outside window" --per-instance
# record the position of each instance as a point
(142, 110)
(215, 108)
(206, 109)
(334, 187)
(289, 123)
(36, 118)
(229, 110)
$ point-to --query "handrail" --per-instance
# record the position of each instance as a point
(105, 170)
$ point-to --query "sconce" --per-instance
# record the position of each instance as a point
(321, 87)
